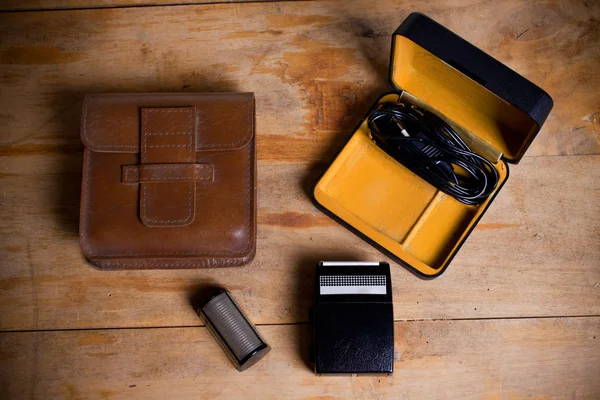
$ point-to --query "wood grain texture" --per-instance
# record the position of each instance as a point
(29, 5)
(535, 253)
(514, 359)
(316, 67)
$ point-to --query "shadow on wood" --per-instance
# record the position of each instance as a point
(201, 293)
(374, 45)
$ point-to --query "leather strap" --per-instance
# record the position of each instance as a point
(167, 137)
(167, 173)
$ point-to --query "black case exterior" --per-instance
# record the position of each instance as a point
(354, 333)
(477, 65)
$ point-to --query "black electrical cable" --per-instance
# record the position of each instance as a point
(430, 148)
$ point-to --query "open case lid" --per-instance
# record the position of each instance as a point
(467, 85)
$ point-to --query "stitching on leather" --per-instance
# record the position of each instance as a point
(197, 170)
(195, 253)
(181, 178)
(144, 124)
(167, 145)
(85, 111)
(169, 221)
(191, 186)
(184, 263)
(198, 254)
(169, 133)
(169, 166)
(170, 110)
(193, 129)
(119, 146)
(86, 200)
(250, 191)
(179, 262)
(128, 172)
(204, 146)
(136, 178)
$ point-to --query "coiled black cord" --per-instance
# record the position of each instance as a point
(430, 148)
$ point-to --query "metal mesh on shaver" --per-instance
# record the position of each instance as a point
(232, 326)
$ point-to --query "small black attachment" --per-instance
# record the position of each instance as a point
(234, 332)
(430, 148)
(353, 318)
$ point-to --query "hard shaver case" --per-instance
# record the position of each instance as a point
(494, 109)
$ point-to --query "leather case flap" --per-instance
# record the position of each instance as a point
(167, 141)
(111, 122)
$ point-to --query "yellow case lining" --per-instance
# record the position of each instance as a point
(384, 201)
(395, 208)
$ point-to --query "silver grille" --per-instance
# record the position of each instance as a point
(231, 324)
(352, 284)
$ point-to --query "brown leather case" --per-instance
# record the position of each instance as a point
(169, 180)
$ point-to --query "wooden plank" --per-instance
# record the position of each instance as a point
(535, 253)
(316, 67)
(502, 359)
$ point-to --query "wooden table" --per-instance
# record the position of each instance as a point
(517, 314)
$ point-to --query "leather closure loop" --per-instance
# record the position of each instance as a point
(167, 154)
(167, 173)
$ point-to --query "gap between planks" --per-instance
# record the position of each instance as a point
(297, 323)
